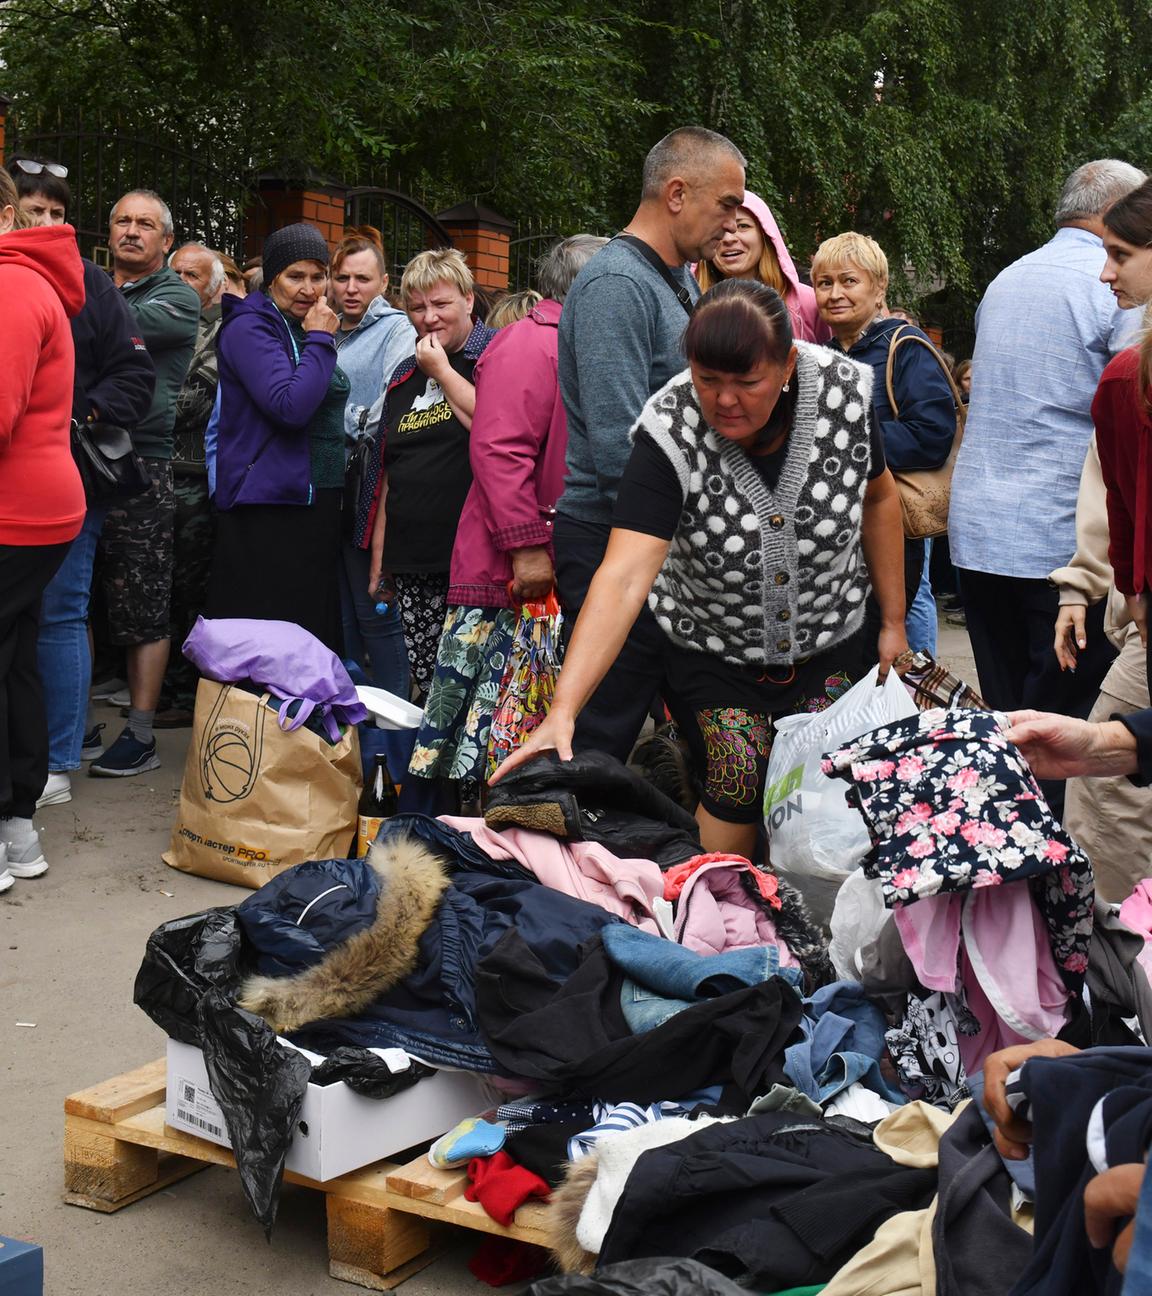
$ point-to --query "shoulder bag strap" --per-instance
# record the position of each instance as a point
(642, 249)
(905, 334)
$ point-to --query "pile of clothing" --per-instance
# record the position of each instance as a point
(676, 1065)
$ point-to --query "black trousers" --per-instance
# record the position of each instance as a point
(25, 571)
(615, 714)
(1012, 623)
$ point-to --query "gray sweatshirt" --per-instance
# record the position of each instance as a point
(620, 336)
(369, 355)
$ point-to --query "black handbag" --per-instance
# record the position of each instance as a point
(109, 466)
(355, 476)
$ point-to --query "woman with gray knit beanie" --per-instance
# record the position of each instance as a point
(280, 448)
(755, 509)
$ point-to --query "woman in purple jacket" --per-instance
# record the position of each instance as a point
(519, 436)
(280, 452)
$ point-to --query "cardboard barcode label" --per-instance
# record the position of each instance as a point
(200, 1123)
(197, 1109)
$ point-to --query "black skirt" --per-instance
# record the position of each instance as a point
(280, 562)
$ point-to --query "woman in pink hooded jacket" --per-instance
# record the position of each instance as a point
(755, 250)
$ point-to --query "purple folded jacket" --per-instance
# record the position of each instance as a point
(284, 659)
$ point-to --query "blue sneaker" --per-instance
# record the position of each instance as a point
(127, 756)
(93, 744)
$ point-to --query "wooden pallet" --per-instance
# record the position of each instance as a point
(118, 1149)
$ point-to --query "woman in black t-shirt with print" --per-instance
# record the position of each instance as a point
(424, 471)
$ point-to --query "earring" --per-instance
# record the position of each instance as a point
(784, 388)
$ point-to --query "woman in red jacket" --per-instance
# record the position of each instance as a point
(1122, 408)
(41, 498)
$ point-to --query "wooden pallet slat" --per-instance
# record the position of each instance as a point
(118, 1149)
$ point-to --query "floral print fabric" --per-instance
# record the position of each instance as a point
(453, 739)
(952, 805)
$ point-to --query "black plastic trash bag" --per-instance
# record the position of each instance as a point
(654, 1277)
(187, 984)
(366, 1073)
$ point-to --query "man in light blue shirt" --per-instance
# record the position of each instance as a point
(1045, 330)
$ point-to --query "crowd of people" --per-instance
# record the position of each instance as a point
(698, 441)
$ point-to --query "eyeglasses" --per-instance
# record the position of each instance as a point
(36, 168)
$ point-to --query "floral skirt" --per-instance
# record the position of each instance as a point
(470, 660)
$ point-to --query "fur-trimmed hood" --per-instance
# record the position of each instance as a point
(347, 954)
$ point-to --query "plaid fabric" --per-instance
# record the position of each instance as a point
(933, 685)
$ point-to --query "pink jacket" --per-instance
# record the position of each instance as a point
(519, 437)
(714, 913)
(801, 300)
(586, 870)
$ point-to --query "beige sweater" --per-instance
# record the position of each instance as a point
(1088, 577)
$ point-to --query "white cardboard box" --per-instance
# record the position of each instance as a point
(337, 1130)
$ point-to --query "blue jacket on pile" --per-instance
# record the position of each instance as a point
(382, 952)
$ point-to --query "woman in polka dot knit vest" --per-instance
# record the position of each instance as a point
(754, 507)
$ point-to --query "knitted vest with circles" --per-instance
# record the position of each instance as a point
(759, 576)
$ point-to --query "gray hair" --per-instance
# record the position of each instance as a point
(563, 261)
(1092, 188)
(686, 152)
(165, 212)
(216, 275)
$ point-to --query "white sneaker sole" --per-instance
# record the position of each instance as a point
(36, 869)
(102, 771)
(56, 798)
(6, 880)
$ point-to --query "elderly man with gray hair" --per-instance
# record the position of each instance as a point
(138, 531)
(1045, 330)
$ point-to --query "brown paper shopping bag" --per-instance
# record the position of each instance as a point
(256, 798)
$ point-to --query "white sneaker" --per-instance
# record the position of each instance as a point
(57, 790)
(106, 688)
(6, 878)
(25, 858)
(121, 699)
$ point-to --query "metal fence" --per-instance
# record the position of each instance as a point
(407, 227)
(524, 251)
(105, 161)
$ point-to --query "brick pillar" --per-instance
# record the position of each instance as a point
(4, 102)
(483, 236)
(280, 203)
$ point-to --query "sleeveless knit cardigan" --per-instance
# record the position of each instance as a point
(758, 576)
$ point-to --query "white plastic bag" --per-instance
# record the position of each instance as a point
(815, 838)
(858, 917)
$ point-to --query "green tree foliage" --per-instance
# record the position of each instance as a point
(943, 127)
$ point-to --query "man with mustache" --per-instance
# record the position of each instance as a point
(138, 532)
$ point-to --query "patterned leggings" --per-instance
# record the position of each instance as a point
(423, 599)
(732, 746)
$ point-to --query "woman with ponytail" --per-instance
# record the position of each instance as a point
(1122, 408)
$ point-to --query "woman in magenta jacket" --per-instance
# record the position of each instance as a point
(41, 498)
(517, 445)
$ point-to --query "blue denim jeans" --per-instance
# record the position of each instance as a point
(920, 623)
(375, 641)
(62, 649)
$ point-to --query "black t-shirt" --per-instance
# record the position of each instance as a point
(429, 475)
(649, 499)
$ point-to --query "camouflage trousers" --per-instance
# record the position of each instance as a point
(137, 572)
(195, 538)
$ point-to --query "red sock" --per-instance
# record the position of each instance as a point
(500, 1185)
